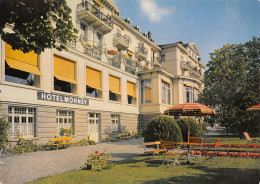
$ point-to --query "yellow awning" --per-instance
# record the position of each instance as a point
(131, 89)
(169, 82)
(148, 94)
(154, 50)
(18, 60)
(93, 78)
(99, 3)
(122, 48)
(64, 70)
(87, 43)
(114, 84)
(130, 52)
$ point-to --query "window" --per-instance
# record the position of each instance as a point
(191, 94)
(98, 39)
(64, 75)
(163, 57)
(21, 68)
(166, 92)
(22, 120)
(146, 92)
(131, 97)
(115, 122)
(64, 119)
(93, 83)
(83, 31)
(114, 88)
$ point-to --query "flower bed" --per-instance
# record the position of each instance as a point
(235, 145)
(230, 154)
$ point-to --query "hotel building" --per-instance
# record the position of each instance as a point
(112, 77)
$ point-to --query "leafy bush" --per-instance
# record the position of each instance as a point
(162, 128)
(98, 161)
(4, 127)
(194, 128)
(25, 146)
(92, 142)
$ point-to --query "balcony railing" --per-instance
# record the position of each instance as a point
(141, 52)
(90, 50)
(91, 13)
(156, 60)
(130, 69)
(121, 40)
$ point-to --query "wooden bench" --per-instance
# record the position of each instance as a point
(60, 141)
(124, 136)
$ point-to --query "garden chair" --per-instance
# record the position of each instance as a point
(248, 138)
(210, 154)
(170, 150)
(199, 148)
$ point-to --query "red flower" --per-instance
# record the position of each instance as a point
(101, 154)
(96, 152)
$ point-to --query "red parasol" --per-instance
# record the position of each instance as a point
(189, 109)
(254, 108)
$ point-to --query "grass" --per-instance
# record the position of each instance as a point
(142, 170)
(224, 140)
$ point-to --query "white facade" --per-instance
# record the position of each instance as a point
(105, 68)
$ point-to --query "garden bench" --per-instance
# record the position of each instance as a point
(59, 141)
(124, 136)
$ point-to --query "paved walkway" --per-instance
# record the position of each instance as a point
(31, 166)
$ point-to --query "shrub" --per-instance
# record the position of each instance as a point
(162, 128)
(194, 128)
(25, 146)
(4, 127)
(92, 142)
(98, 161)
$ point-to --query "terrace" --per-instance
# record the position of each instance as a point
(92, 14)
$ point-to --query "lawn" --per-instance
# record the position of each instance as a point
(143, 170)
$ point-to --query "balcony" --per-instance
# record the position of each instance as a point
(185, 65)
(117, 60)
(90, 50)
(95, 17)
(121, 40)
(130, 69)
(196, 72)
(140, 52)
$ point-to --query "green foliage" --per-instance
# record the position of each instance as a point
(232, 85)
(25, 146)
(162, 128)
(4, 127)
(98, 161)
(194, 128)
(37, 25)
(92, 142)
(66, 132)
(82, 142)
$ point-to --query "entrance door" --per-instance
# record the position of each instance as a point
(93, 126)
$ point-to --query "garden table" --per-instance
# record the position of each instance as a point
(188, 144)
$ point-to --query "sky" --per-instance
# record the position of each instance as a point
(208, 23)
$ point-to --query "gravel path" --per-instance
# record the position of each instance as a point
(30, 166)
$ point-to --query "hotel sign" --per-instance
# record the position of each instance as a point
(61, 98)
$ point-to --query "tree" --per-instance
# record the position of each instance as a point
(232, 85)
(36, 25)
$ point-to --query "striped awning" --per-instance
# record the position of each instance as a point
(254, 108)
(189, 109)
